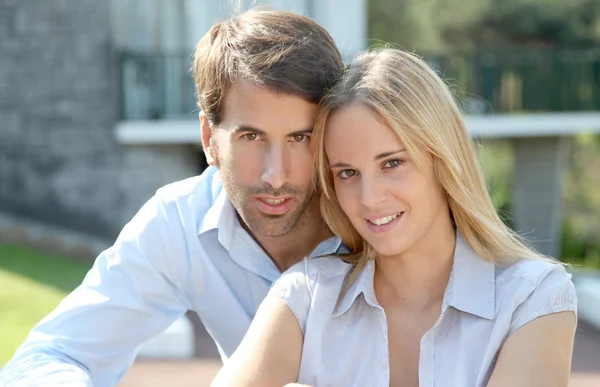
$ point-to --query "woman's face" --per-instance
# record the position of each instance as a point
(391, 203)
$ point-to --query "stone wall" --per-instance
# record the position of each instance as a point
(59, 103)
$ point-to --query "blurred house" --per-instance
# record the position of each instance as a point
(97, 106)
(95, 96)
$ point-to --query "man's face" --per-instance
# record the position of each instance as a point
(263, 152)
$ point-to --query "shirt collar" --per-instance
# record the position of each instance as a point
(212, 219)
(222, 216)
(471, 288)
(472, 285)
(330, 246)
(363, 284)
(242, 248)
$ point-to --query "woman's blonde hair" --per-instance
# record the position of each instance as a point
(413, 101)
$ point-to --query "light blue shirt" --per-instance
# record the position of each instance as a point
(184, 250)
(345, 340)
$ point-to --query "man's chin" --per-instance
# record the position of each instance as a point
(272, 230)
(267, 225)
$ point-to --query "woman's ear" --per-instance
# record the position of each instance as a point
(207, 141)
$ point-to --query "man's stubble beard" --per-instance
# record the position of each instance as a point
(255, 221)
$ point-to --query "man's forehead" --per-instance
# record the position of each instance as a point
(245, 92)
(247, 104)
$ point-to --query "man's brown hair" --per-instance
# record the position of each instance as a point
(282, 51)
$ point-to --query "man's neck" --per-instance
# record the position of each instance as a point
(291, 248)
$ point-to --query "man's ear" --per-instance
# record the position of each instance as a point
(206, 133)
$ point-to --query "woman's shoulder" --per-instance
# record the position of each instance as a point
(298, 285)
(306, 275)
(329, 266)
(532, 272)
(314, 269)
(532, 288)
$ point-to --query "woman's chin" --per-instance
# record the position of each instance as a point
(388, 249)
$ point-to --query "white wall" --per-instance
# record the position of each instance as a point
(174, 27)
(149, 24)
(346, 21)
(179, 24)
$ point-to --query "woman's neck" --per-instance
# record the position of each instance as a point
(418, 278)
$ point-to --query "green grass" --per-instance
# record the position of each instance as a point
(32, 284)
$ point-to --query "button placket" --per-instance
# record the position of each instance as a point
(426, 360)
(386, 352)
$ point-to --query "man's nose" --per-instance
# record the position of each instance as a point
(276, 168)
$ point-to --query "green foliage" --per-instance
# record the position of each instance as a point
(440, 25)
(581, 213)
(497, 161)
(581, 231)
(523, 77)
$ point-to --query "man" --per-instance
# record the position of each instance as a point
(216, 242)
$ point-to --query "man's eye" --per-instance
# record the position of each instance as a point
(251, 136)
(300, 138)
(346, 174)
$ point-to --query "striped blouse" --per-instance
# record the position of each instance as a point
(345, 342)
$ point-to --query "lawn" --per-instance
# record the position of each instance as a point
(32, 284)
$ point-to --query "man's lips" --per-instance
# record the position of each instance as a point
(273, 205)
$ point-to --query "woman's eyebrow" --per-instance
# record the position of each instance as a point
(387, 154)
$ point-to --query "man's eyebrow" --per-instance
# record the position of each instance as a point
(303, 131)
(251, 129)
(387, 154)
(247, 129)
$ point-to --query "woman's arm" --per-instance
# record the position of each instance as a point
(537, 354)
(269, 354)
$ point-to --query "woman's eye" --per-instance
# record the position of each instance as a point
(392, 163)
(251, 136)
(300, 137)
(346, 174)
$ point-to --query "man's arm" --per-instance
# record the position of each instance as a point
(537, 354)
(269, 354)
(134, 291)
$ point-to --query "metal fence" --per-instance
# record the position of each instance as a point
(160, 85)
(524, 81)
(156, 86)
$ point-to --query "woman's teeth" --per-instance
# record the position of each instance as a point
(384, 220)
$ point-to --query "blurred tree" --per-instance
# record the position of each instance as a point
(436, 25)
(497, 161)
(540, 23)
(430, 27)
(581, 231)
(581, 225)
(420, 24)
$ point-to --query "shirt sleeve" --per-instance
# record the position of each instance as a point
(135, 290)
(554, 292)
(294, 288)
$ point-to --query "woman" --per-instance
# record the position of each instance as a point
(437, 290)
